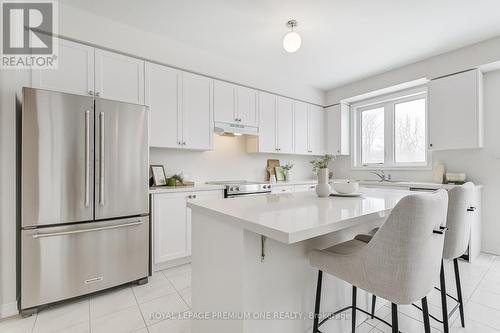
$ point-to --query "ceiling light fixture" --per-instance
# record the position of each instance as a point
(292, 40)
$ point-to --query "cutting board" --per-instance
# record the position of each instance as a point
(271, 164)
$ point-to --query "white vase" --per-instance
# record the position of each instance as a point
(323, 189)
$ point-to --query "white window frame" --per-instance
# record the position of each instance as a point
(388, 102)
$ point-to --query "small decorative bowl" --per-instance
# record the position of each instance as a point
(345, 187)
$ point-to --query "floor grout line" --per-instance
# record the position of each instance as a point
(90, 317)
(481, 275)
(34, 323)
(139, 307)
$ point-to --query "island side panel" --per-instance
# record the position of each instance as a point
(285, 284)
(228, 275)
(217, 272)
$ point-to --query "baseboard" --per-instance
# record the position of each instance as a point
(8, 310)
(171, 263)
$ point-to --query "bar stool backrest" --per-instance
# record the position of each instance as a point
(458, 221)
(403, 259)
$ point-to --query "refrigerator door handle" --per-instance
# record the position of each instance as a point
(87, 158)
(101, 158)
(62, 233)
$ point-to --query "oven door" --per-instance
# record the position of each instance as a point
(67, 261)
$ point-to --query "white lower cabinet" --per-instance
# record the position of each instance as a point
(277, 189)
(283, 189)
(172, 225)
(305, 187)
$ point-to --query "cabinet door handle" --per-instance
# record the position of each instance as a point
(189, 196)
(194, 196)
(179, 142)
(91, 93)
(98, 94)
(471, 209)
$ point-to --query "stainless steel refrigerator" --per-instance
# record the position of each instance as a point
(84, 196)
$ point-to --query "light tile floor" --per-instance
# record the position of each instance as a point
(129, 308)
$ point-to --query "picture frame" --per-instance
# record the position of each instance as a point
(280, 173)
(159, 177)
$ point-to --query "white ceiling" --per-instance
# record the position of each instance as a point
(343, 41)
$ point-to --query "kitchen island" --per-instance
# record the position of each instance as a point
(250, 266)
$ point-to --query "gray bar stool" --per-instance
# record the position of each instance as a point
(400, 263)
(456, 242)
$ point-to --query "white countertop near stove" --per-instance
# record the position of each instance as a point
(195, 188)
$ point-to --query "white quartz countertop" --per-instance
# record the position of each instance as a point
(195, 188)
(374, 183)
(294, 217)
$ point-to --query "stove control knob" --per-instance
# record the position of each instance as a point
(237, 188)
(231, 188)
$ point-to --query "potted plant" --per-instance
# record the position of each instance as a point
(287, 167)
(175, 180)
(320, 167)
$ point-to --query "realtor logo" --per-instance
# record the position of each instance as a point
(28, 30)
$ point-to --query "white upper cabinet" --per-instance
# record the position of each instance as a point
(75, 71)
(197, 112)
(284, 125)
(119, 77)
(337, 129)
(235, 104)
(266, 141)
(316, 130)
(181, 112)
(224, 102)
(246, 106)
(163, 93)
(301, 128)
(309, 129)
(455, 111)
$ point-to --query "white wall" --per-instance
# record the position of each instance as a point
(468, 57)
(85, 26)
(481, 165)
(228, 161)
(10, 83)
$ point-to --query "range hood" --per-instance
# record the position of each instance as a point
(234, 129)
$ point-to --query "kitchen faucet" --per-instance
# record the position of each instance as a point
(380, 174)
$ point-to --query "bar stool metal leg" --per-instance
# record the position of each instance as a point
(425, 312)
(353, 316)
(459, 291)
(317, 303)
(374, 301)
(444, 304)
(394, 311)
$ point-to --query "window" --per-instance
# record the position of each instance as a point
(391, 131)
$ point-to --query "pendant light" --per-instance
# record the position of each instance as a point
(292, 40)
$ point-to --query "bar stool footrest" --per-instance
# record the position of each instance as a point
(330, 316)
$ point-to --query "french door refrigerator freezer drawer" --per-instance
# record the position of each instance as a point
(73, 260)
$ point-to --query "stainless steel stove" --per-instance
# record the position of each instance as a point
(237, 188)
